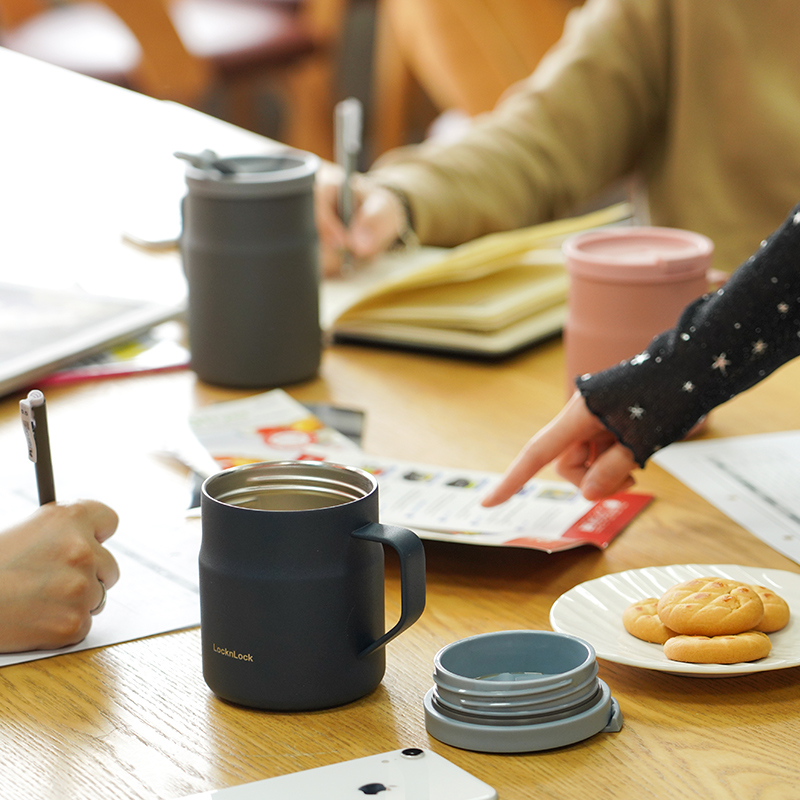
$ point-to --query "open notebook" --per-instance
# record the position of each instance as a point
(44, 329)
(489, 297)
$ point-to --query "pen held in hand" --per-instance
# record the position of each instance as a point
(34, 421)
(348, 125)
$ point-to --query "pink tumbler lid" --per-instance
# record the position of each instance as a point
(639, 255)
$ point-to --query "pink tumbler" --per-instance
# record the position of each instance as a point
(627, 285)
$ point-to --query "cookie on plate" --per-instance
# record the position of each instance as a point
(642, 621)
(776, 610)
(710, 607)
(730, 649)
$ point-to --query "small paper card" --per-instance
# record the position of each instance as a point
(267, 427)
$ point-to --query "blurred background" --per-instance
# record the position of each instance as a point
(278, 67)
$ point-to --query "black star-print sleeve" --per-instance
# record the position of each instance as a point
(724, 343)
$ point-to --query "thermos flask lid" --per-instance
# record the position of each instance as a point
(518, 692)
(638, 255)
(247, 176)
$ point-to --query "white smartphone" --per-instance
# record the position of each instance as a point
(408, 774)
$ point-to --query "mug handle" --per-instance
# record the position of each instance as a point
(412, 576)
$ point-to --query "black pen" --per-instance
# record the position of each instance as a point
(34, 422)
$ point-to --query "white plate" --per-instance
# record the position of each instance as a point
(593, 611)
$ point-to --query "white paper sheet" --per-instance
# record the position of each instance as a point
(755, 480)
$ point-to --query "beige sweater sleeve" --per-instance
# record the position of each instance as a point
(578, 123)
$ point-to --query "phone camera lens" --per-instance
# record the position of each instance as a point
(372, 788)
(412, 752)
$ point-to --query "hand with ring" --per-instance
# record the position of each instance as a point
(102, 604)
(54, 575)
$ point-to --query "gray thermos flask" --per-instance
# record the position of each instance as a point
(249, 249)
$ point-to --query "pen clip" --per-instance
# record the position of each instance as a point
(26, 409)
(348, 128)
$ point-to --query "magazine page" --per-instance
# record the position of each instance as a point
(435, 502)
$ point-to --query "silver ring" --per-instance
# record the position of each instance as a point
(102, 604)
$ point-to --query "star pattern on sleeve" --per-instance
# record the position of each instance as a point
(724, 342)
(721, 363)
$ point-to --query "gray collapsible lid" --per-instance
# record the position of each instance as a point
(517, 692)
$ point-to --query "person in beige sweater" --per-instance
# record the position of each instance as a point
(699, 99)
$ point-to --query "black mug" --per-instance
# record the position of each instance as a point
(292, 584)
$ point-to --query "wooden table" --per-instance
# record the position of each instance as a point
(136, 720)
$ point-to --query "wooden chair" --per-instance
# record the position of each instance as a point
(462, 53)
(193, 50)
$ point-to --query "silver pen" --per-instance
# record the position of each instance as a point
(348, 130)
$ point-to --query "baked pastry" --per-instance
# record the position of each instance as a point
(642, 621)
(709, 621)
(710, 607)
(776, 610)
(728, 649)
